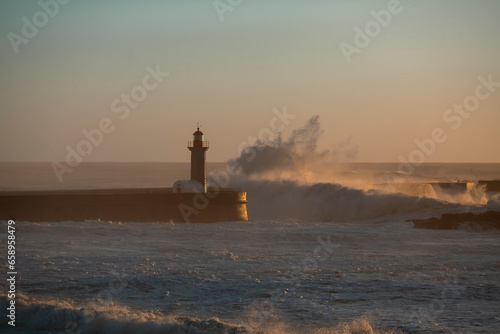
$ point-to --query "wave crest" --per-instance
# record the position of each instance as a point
(328, 202)
(65, 316)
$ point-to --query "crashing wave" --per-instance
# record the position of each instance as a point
(65, 316)
(329, 202)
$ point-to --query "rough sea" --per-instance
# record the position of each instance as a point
(333, 255)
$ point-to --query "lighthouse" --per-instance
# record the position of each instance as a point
(187, 201)
(198, 148)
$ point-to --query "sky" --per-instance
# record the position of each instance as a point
(233, 66)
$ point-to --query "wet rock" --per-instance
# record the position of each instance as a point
(454, 221)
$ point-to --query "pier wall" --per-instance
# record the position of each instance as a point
(124, 205)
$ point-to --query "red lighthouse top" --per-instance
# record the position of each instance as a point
(198, 139)
(198, 132)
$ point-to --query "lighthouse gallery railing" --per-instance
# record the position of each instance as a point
(203, 144)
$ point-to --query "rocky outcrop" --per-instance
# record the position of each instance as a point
(453, 221)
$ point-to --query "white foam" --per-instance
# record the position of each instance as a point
(329, 202)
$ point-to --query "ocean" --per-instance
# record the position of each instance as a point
(329, 252)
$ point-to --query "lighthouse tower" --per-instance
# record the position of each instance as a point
(198, 148)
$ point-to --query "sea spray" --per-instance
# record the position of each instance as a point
(292, 157)
(328, 202)
(297, 161)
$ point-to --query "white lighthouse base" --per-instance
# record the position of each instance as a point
(188, 186)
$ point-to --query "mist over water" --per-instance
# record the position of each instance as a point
(292, 178)
(330, 202)
(296, 157)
